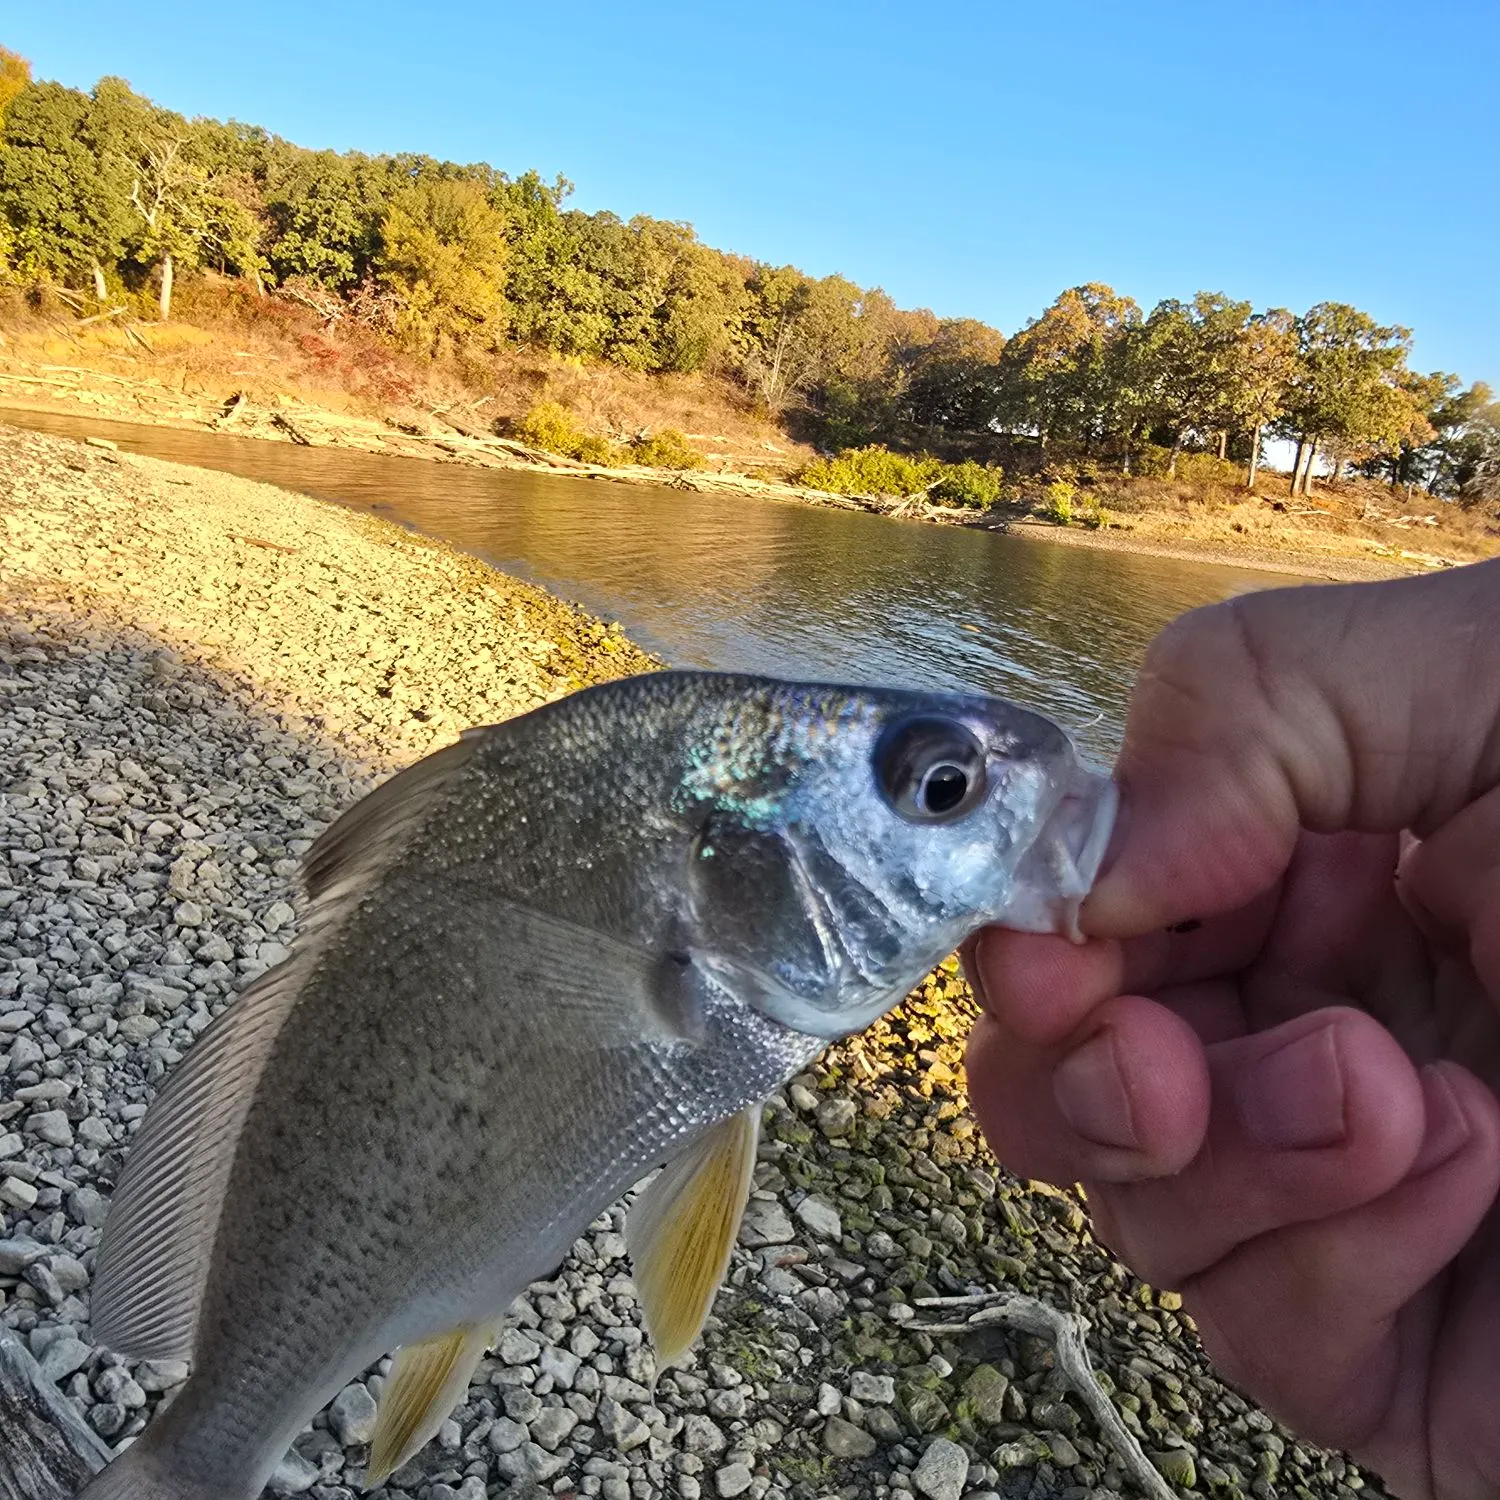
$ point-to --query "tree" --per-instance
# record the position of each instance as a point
(1346, 389)
(1057, 367)
(443, 254)
(1265, 361)
(15, 74)
(955, 379)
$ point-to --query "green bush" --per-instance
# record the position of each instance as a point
(667, 449)
(969, 483)
(871, 471)
(550, 425)
(1057, 501)
(590, 449)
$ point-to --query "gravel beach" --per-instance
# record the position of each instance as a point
(197, 673)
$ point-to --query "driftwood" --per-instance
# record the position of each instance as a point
(233, 408)
(1065, 1331)
(47, 1451)
(285, 423)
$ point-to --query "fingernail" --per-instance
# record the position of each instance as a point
(1293, 1098)
(1090, 1091)
(1447, 1129)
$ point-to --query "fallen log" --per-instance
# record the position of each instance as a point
(47, 1451)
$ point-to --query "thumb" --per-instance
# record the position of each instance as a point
(1372, 707)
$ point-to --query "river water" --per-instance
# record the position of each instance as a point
(749, 584)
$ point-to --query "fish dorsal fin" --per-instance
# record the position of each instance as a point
(682, 1229)
(158, 1237)
(426, 1382)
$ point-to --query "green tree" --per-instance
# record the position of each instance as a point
(66, 217)
(443, 255)
(1346, 392)
(1265, 363)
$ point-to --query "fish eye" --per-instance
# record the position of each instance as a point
(931, 770)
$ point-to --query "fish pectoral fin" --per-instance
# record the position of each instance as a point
(682, 1229)
(425, 1384)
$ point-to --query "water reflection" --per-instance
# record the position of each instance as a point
(730, 582)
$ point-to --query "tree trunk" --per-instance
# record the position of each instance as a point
(1297, 465)
(100, 290)
(1254, 457)
(1307, 474)
(1223, 444)
(256, 282)
(1172, 462)
(165, 301)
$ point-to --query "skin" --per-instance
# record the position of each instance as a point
(1289, 1112)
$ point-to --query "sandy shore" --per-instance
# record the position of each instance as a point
(197, 673)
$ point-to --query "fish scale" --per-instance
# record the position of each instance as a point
(518, 991)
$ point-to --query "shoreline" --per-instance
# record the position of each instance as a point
(308, 425)
(195, 678)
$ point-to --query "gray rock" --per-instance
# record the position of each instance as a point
(733, 1479)
(560, 1364)
(877, 1389)
(517, 1348)
(552, 1426)
(765, 1223)
(622, 1427)
(844, 1440)
(17, 1254)
(86, 1205)
(352, 1415)
(836, 1116)
(293, 1475)
(51, 1126)
(701, 1435)
(60, 1359)
(942, 1471)
(505, 1435)
(820, 1218)
(986, 1389)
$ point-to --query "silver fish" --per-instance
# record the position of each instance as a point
(535, 966)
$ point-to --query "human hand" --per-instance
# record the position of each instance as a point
(1286, 1109)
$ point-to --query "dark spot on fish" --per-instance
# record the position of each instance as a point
(1191, 925)
(680, 958)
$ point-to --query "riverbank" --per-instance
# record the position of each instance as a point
(197, 672)
(192, 379)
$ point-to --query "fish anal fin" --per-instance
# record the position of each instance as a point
(682, 1229)
(426, 1382)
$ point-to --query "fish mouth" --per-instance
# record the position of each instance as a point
(1058, 871)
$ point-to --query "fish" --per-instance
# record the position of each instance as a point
(562, 954)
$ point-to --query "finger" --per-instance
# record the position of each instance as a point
(1453, 879)
(1330, 1323)
(1316, 1116)
(1043, 987)
(1259, 717)
(1127, 1100)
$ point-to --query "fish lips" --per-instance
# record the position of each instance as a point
(1058, 871)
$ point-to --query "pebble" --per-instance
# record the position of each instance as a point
(352, 1415)
(844, 1440)
(765, 1223)
(943, 1470)
(733, 1479)
(820, 1217)
(868, 1388)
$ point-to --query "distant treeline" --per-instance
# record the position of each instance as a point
(107, 192)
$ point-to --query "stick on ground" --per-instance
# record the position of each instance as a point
(1065, 1332)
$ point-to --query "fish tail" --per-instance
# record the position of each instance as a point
(137, 1473)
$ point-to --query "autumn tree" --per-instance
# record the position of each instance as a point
(443, 254)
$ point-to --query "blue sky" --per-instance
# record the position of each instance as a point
(971, 158)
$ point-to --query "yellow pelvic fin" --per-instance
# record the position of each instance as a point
(682, 1229)
(425, 1384)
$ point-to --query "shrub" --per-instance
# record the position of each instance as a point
(667, 449)
(969, 483)
(549, 425)
(1057, 501)
(870, 471)
(590, 449)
